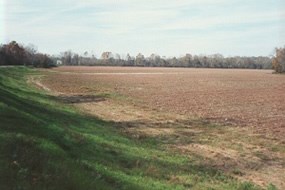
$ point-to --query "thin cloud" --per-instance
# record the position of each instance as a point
(166, 27)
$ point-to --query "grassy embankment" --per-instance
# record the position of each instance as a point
(46, 144)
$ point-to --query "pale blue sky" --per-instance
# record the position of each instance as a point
(165, 27)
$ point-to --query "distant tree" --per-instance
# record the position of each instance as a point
(140, 60)
(278, 61)
(216, 60)
(66, 57)
(196, 61)
(187, 60)
(42, 60)
(107, 55)
(75, 59)
(13, 54)
(173, 62)
(31, 51)
(129, 60)
(154, 60)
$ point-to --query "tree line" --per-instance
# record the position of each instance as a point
(16, 54)
(154, 60)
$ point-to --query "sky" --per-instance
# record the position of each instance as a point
(164, 27)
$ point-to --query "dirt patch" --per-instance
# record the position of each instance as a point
(79, 98)
(36, 80)
(262, 169)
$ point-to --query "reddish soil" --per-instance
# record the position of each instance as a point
(251, 98)
(179, 106)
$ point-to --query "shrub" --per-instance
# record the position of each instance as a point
(278, 62)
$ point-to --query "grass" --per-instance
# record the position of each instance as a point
(46, 144)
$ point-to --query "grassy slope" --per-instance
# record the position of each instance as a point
(45, 144)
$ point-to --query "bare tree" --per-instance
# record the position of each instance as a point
(278, 62)
(107, 55)
(140, 61)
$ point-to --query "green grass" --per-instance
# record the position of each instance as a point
(45, 144)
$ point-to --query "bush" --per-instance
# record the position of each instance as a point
(278, 62)
(42, 60)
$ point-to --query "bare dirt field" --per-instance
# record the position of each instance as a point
(241, 97)
(234, 119)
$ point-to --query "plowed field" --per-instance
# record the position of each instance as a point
(234, 119)
(252, 98)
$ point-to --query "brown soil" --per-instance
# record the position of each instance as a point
(241, 97)
(182, 107)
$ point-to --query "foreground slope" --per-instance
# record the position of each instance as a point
(47, 144)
